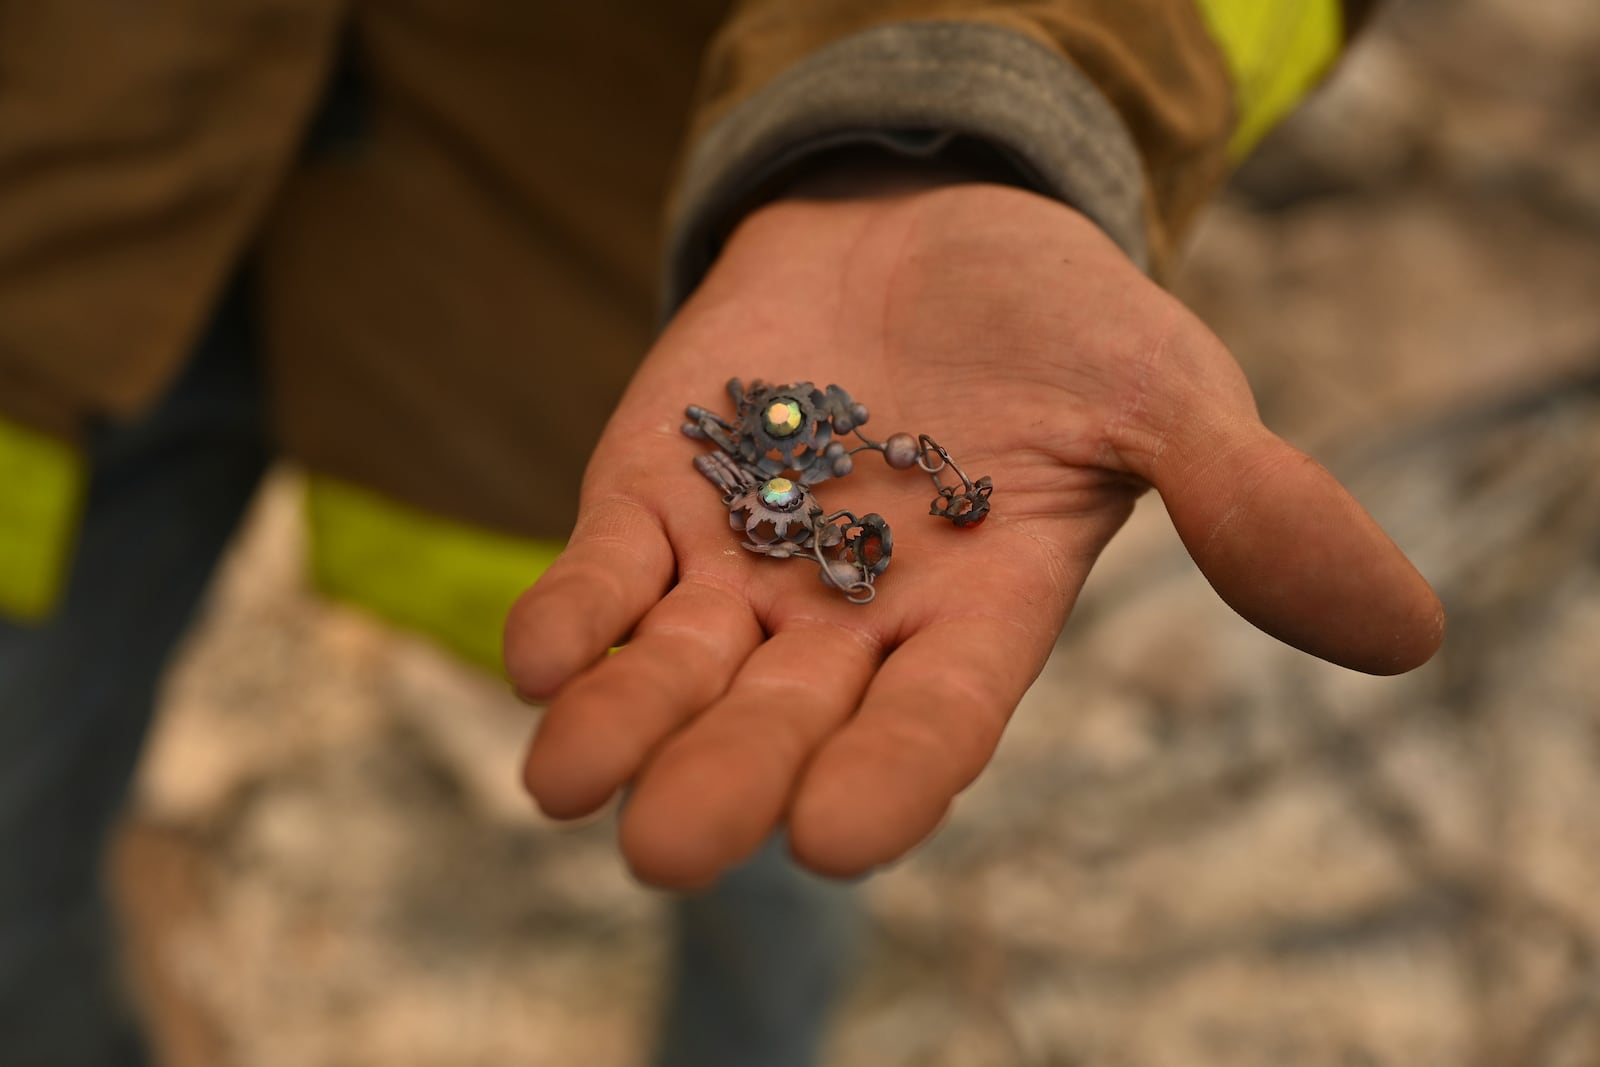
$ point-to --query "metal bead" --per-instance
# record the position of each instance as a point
(900, 450)
(843, 573)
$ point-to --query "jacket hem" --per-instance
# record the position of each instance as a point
(911, 88)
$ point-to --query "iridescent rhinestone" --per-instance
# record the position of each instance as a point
(780, 494)
(783, 417)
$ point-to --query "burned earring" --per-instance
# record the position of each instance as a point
(784, 439)
(965, 505)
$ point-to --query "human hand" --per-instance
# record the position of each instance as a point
(749, 695)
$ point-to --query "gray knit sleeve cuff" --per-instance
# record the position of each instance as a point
(912, 88)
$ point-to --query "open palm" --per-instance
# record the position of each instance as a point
(751, 696)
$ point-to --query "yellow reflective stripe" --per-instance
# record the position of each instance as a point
(41, 489)
(1276, 51)
(451, 581)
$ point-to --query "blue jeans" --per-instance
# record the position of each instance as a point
(759, 957)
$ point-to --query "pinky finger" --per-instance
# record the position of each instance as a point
(617, 566)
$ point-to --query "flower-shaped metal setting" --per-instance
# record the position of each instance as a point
(776, 510)
(965, 505)
(868, 544)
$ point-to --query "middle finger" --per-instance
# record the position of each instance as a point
(718, 789)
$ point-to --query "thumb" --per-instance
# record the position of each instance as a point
(1286, 546)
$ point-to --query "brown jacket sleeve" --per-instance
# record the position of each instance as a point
(1123, 108)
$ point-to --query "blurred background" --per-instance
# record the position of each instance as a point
(1195, 847)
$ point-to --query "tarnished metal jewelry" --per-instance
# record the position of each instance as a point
(785, 439)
